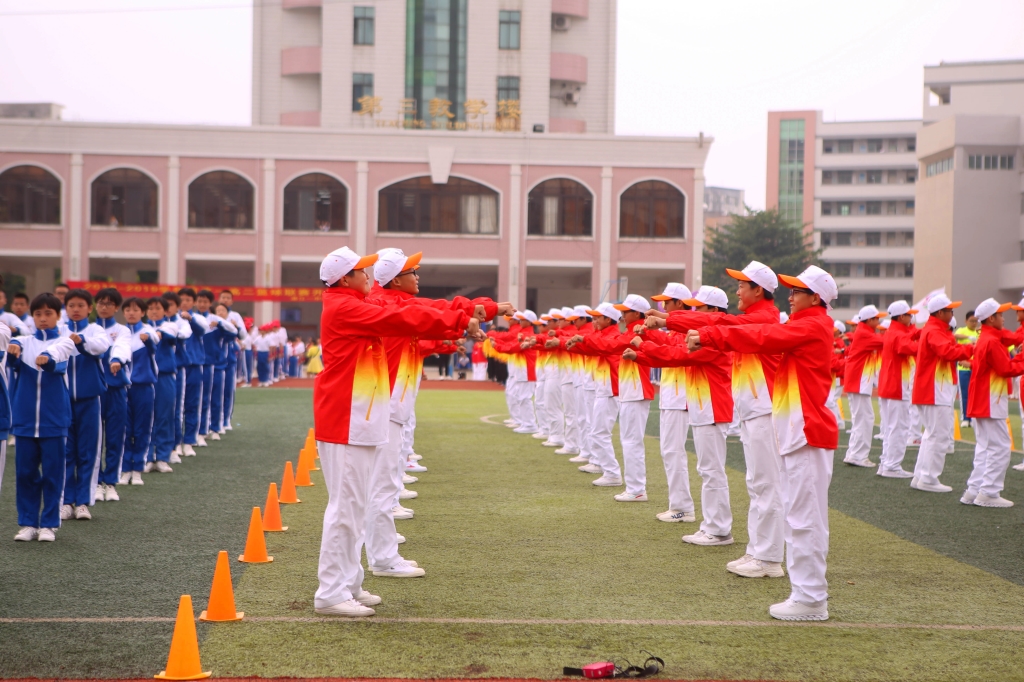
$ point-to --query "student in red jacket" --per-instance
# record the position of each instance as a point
(895, 384)
(935, 389)
(838, 368)
(806, 430)
(520, 347)
(861, 376)
(351, 412)
(991, 374)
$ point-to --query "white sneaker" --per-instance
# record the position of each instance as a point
(176, 451)
(403, 569)
(736, 562)
(673, 516)
(579, 459)
(112, 495)
(101, 492)
(367, 599)
(400, 538)
(540, 436)
(163, 467)
(607, 481)
(27, 534)
(347, 609)
(415, 457)
(1019, 467)
(148, 469)
(201, 441)
(590, 469)
(214, 435)
(894, 473)
(702, 538)
(983, 500)
(188, 451)
(407, 479)
(631, 497)
(126, 478)
(407, 494)
(404, 509)
(930, 487)
(400, 512)
(66, 512)
(82, 512)
(227, 427)
(566, 451)
(964, 424)
(174, 459)
(47, 534)
(520, 429)
(414, 467)
(755, 568)
(968, 497)
(137, 478)
(512, 425)
(552, 444)
(509, 421)
(222, 432)
(867, 463)
(791, 610)
(879, 436)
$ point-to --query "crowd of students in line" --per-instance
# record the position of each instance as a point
(774, 378)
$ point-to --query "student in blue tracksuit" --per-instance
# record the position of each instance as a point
(166, 386)
(180, 362)
(117, 375)
(142, 392)
(225, 334)
(204, 300)
(86, 385)
(196, 353)
(235, 361)
(40, 362)
(5, 402)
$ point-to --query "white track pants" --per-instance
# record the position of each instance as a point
(588, 398)
(936, 442)
(346, 470)
(833, 404)
(572, 419)
(381, 540)
(896, 422)
(525, 415)
(915, 428)
(674, 424)
(766, 519)
(991, 456)
(408, 436)
(556, 414)
(862, 414)
(709, 442)
(632, 426)
(540, 404)
(606, 411)
(806, 475)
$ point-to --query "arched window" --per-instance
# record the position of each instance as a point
(124, 196)
(652, 209)
(220, 199)
(30, 195)
(315, 202)
(418, 205)
(560, 207)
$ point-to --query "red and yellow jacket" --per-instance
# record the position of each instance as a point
(935, 375)
(604, 364)
(899, 348)
(351, 396)
(992, 370)
(708, 379)
(522, 360)
(672, 390)
(862, 360)
(804, 375)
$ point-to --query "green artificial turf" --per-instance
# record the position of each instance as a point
(507, 531)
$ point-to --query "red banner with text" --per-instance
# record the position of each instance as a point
(282, 294)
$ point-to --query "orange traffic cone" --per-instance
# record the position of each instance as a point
(221, 606)
(302, 474)
(272, 512)
(311, 449)
(288, 494)
(256, 544)
(183, 660)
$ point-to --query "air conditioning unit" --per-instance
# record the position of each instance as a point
(571, 97)
(560, 22)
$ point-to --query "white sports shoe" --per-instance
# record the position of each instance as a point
(214, 435)
(66, 512)
(222, 432)
(400, 512)
(540, 436)
(578, 459)
(347, 609)
(47, 534)
(968, 497)
(367, 599)
(188, 451)
(867, 463)
(590, 469)
(407, 479)
(148, 469)
(201, 441)
(566, 451)
(27, 534)
(791, 610)
(403, 569)
(1019, 467)
(126, 478)
(673, 516)
(415, 468)
(400, 538)
(101, 492)
(702, 538)
(930, 487)
(415, 457)
(607, 481)
(82, 512)
(631, 497)
(137, 478)
(174, 459)
(894, 473)
(176, 450)
(228, 427)
(163, 467)
(755, 568)
(407, 494)
(112, 495)
(520, 429)
(736, 562)
(989, 501)
(552, 444)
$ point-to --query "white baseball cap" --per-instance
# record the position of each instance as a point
(868, 312)
(941, 302)
(884, 324)
(708, 295)
(783, 317)
(393, 261)
(815, 279)
(340, 262)
(556, 314)
(529, 316)
(1019, 306)
(569, 313)
(990, 307)
(583, 311)
(758, 273)
(606, 309)
(675, 290)
(901, 308)
(635, 303)
(840, 326)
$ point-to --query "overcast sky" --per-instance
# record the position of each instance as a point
(684, 67)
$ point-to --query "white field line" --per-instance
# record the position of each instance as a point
(486, 419)
(543, 621)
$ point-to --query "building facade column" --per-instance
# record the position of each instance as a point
(266, 272)
(170, 264)
(697, 265)
(362, 187)
(604, 267)
(75, 266)
(516, 266)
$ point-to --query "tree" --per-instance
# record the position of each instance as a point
(764, 236)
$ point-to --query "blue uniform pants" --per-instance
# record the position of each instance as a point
(39, 482)
(139, 434)
(204, 414)
(193, 402)
(964, 376)
(81, 461)
(163, 420)
(229, 393)
(115, 420)
(217, 400)
(263, 366)
(248, 366)
(179, 407)
(293, 366)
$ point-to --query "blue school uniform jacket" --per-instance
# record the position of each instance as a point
(165, 348)
(85, 370)
(143, 365)
(195, 346)
(120, 351)
(41, 404)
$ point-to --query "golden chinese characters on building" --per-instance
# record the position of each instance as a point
(440, 116)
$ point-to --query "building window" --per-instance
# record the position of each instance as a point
(874, 208)
(943, 166)
(844, 177)
(826, 239)
(911, 176)
(872, 269)
(894, 145)
(845, 146)
(418, 205)
(435, 60)
(828, 146)
(220, 199)
(362, 86)
(909, 207)
(844, 208)
(560, 207)
(911, 144)
(508, 88)
(873, 299)
(1006, 162)
(908, 269)
(315, 202)
(29, 195)
(873, 238)
(826, 208)
(124, 196)
(363, 30)
(826, 177)
(508, 30)
(843, 301)
(874, 146)
(875, 177)
(791, 169)
(990, 162)
(652, 209)
(844, 238)
(842, 269)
